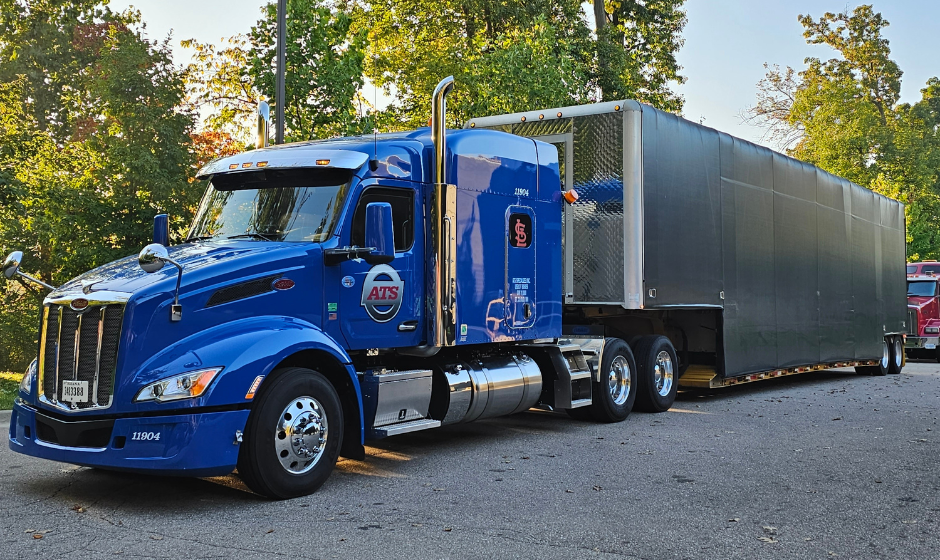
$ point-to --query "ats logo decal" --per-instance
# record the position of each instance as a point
(382, 293)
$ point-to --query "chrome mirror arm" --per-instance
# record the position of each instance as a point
(35, 280)
(151, 259)
(11, 268)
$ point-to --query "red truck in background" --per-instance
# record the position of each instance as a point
(923, 310)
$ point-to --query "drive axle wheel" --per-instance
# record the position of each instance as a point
(293, 436)
(614, 394)
(658, 373)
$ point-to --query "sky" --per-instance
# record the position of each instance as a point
(726, 45)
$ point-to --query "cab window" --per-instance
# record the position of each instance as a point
(403, 210)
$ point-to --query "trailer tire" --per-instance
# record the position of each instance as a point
(614, 394)
(299, 401)
(657, 367)
(897, 356)
(881, 368)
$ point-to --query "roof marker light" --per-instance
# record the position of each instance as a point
(246, 165)
(233, 166)
(261, 164)
(323, 162)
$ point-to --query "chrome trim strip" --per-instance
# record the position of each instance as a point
(98, 355)
(78, 342)
(58, 347)
(43, 334)
(103, 297)
(552, 114)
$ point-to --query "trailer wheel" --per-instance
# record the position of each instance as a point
(658, 370)
(881, 368)
(293, 436)
(614, 394)
(897, 356)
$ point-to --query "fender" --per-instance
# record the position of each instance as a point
(245, 348)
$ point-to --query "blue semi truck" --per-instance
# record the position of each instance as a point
(585, 259)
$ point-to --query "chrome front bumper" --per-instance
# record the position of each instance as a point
(922, 343)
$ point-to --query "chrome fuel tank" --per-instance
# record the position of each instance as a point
(488, 387)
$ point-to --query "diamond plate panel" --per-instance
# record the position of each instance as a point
(598, 213)
(542, 128)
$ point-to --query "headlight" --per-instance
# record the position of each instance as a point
(26, 385)
(185, 386)
(931, 330)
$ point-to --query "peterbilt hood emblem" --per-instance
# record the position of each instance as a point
(79, 304)
(382, 293)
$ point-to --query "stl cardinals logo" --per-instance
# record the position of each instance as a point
(382, 292)
(520, 234)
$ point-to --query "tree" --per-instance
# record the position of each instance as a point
(324, 72)
(637, 41)
(93, 141)
(843, 115)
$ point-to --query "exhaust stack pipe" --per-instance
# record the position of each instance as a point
(442, 264)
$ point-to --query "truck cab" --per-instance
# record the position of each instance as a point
(923, 309)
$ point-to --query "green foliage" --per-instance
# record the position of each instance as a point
(636, 49)
(324, 72)
(9, 386)
(93, 144)
(843, 115)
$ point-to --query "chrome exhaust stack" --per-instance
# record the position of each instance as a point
(442, 264)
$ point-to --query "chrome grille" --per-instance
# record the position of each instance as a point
(80, 346)
(912, 322)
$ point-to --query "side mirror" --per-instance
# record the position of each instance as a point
(12, 264)
(161, 229)
(153, 257)
(380, 233)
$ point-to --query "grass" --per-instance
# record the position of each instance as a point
(9, 385)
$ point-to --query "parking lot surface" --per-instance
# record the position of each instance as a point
(822, 465)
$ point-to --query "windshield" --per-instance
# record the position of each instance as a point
(922, 289)
(294, 213)
(912, 270)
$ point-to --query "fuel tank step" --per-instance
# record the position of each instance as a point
(405, 427)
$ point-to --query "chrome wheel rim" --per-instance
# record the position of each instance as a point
(300, 438)
(898, 357)
(663, 373)
(618, 380)
(885, 354)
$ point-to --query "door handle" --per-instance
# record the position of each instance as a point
(407, 326)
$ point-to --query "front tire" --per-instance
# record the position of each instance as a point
(293, 436)
(657, 366)
(614, 394)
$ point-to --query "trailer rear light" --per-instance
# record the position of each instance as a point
(185, 386)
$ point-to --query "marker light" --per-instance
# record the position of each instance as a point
(246, 165)
(26, 385)
(571, 196)
(323, 162)
(185, 386)
(254, 387)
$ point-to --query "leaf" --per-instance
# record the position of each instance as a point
(767, 539)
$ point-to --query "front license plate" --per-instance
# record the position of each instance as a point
(74, 391)
(930, 346)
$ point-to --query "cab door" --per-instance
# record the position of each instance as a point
(380, 306)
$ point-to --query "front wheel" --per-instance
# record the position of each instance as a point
(293, 436)
(614, 394)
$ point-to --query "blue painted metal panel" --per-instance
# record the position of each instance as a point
(200, 444)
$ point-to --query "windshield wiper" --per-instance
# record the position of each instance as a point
(198, 238)
(252, 236)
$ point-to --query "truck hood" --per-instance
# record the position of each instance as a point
(919, 301)
(125, 275)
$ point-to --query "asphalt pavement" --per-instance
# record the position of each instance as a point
(822, 465)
